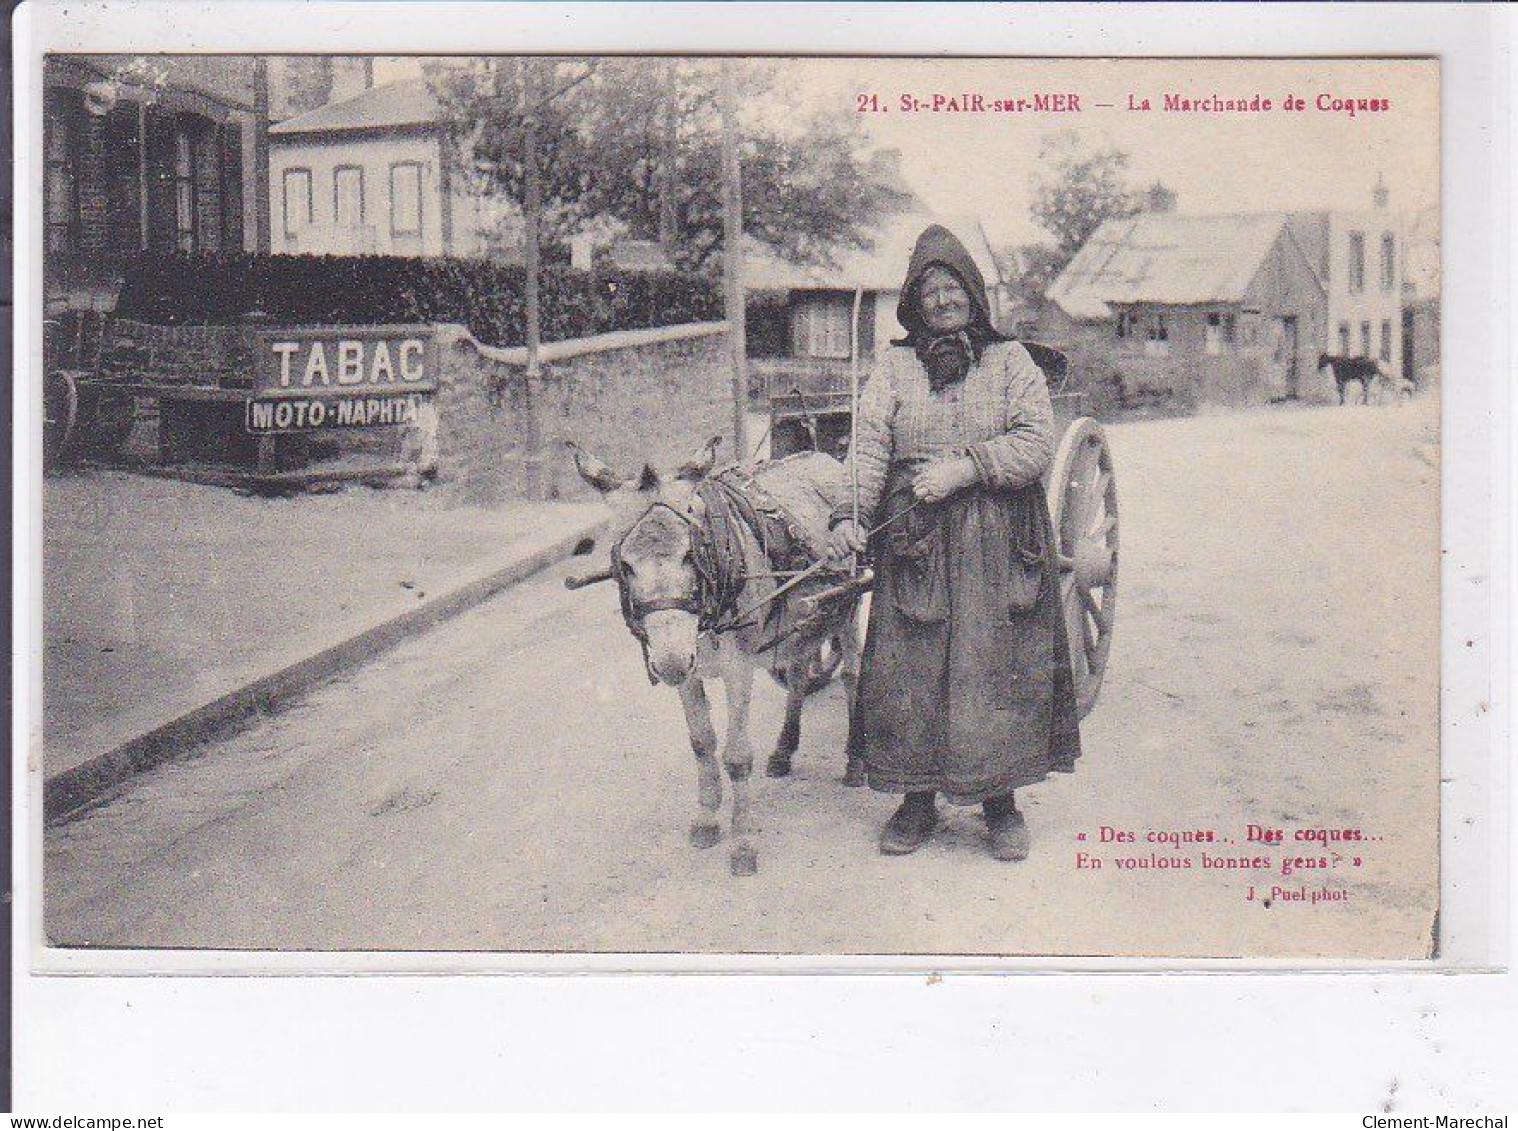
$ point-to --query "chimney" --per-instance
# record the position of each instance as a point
(1158, 198)
(351, 75)
(1381, 195)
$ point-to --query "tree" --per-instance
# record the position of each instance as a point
(637, 141)
(1078, 187)
(1037, 266)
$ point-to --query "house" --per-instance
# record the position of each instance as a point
(147, 153)
(1228, 309)
(1233, 308)
(1361, 257)
(1420, 298)
(801, 327)
(372, 174)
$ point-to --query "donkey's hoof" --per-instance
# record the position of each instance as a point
(779, 766)
(855, 775)
(743, 861)
(704, 835)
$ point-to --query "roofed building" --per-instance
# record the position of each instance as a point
(147, 153)
(800, 317)
(1226, 309)
(370, 174)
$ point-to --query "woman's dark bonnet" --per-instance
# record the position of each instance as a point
(946, 358)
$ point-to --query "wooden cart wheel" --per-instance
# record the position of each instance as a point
(60, 415)
(1082, 494)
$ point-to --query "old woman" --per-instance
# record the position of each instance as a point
(966, 687)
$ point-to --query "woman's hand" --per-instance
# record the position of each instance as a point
(846, 539)
(936, 481)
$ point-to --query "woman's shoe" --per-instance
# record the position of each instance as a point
(911, 826)
(1008, 833)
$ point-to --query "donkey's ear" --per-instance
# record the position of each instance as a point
(593, 470)
(701, 464)
(649, 479)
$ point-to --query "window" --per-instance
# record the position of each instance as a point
(406, 199)
(62, 203)
(1343, 339)
(347, 196)
(184, 188)
(820, 326)
(1386, 340)
(1356, 262)
(1364, 340)
(1157, 335)
(1220, 331)
(297, 200)
(1127, 324)
(1388, 262)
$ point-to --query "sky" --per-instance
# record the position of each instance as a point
(983, 164)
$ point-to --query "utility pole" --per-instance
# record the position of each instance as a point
(732, 258)
(532, 209)
(262, 235)
(668, 109)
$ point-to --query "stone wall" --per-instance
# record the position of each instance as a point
(630, 397)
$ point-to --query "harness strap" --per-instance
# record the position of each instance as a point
(733, 504)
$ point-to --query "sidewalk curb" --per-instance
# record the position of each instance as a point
(73, 788)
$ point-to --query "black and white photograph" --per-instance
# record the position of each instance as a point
(745, 505)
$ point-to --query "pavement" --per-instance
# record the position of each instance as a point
(510, 781)
(173, 608)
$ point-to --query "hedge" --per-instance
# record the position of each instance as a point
(488, 297)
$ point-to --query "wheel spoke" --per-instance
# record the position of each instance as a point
(1089, 641)
(1103, 485)
(1089, 601)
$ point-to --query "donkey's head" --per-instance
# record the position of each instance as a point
(657, 519)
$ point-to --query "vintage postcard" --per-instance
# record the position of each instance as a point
(691, 505)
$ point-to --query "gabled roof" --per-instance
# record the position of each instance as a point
(880, 267)
(1166, 258)
(397, 105)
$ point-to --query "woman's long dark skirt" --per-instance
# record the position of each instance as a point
(965, 686)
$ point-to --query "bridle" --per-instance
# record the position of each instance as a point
(696, 603)
(720, 576)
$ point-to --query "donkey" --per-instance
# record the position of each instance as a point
(698, 559)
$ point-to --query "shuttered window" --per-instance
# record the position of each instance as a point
(1356, 262)
(297, 200)
(406, 199)
(348, 195)
(184, 188)
(820, 326)
(63, 125)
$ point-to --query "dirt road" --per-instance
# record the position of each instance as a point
(512, 782)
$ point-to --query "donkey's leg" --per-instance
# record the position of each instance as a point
(738, 756)
(795, 677)
(850, 646)
(704, 830)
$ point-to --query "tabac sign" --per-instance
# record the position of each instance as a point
(312, 378)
